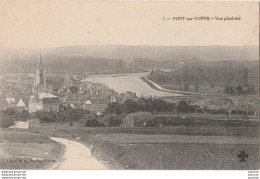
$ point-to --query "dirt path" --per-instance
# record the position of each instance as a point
(77, 157)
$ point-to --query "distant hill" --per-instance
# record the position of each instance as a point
(62, 64)
(154, 53)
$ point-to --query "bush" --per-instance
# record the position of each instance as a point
(140, 119)
(6, 121)
(183, 106)
(90, 120)
(71, 124)
(45, 117)
(24, 115)
(219, 111)
(93, 123)
(114, 107)
(113, 120)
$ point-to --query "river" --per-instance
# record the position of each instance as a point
(128, 82)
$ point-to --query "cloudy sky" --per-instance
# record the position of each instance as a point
(64, 23)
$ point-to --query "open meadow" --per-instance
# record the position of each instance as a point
(23, 150)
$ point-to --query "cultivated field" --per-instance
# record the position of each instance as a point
(178, 147)
(191, 156)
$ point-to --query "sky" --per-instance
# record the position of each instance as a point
(66, 23)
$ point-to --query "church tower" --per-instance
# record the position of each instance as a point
(40, 78)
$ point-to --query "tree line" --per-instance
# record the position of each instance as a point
(64, 64)
(236, 78)
(152, 105)
(67, 114)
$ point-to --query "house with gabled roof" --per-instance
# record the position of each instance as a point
(95, 105)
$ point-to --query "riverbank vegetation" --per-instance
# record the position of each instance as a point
(226, 77)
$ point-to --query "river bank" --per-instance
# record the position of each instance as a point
(159, 88)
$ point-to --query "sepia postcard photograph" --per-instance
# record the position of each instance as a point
(129, 85)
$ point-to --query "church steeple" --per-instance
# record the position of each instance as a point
(40, 78)
(39, 64)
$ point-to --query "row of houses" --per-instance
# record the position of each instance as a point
(39, 96)
(216, 105)
(37, 102)
(48, 102)
(17, 102)
(225, 105)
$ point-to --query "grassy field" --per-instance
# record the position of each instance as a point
(190, 156)
(177, 147)
(200, 119)
(65, 130)
(165, 152)
(22, 150)
(219, 117)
